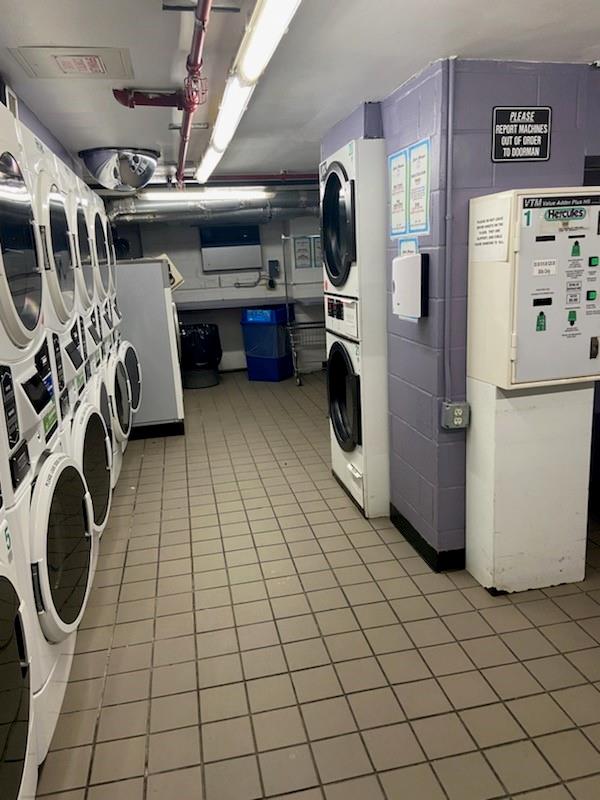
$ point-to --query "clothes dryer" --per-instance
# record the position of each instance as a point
(53, 185)
(354, 255)
(21, 284)
(87, 300)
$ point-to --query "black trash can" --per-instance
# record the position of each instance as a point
(200, 354)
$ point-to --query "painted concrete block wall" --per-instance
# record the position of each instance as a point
(426, 463)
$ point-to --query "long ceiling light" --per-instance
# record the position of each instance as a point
(234, 102)
(267, 27)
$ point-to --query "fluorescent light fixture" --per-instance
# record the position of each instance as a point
(234, 102)
(209, 161)
(268, 24)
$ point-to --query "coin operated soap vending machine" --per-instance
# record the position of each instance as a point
(532, 357)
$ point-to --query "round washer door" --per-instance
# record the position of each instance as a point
(338, 235)
(85, 257)
(103, 401)
(128, 354)
(343, 389)
(120, 394)
(102, 254)
(62, 277)
(61, 545)
(15, 693)
(92, 449)
(20, 270)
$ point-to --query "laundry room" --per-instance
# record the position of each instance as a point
(300, 430)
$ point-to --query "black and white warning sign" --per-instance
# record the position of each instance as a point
(521, 133)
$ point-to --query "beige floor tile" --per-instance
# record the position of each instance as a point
(173, 749)
(173, 711)
(539, 714)
(132, 789)
(393, 746)
(520, 766)
(120, 759)
(326, 718)
(443, 735)
(278, 728)
(184, 783)
(491, 725)
(265, 694)
(124, 721)
(237, 779)
(227, 739)
(570, 753)
(468, 777)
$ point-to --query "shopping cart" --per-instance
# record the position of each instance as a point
(305, 336)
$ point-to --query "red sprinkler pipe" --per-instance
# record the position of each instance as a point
(193, 91)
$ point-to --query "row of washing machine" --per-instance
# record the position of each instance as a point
(68, 389)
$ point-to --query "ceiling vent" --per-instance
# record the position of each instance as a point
(75, 62)
(121, 169)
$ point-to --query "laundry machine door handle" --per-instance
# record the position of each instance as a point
(20, 641)
(355, 472)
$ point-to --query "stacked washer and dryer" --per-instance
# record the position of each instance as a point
(353, 243)
(56, 447)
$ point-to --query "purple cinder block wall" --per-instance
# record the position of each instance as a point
(363, 123)
(427, 463)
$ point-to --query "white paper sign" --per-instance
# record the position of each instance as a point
(489, 230)
(398, 184)
(418, 191)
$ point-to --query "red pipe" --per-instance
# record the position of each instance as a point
(193, 90)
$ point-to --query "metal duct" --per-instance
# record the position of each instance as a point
(121, 169)
(249, 206)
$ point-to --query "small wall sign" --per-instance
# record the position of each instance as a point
(521, 133)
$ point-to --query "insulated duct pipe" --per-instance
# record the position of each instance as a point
(192, 87)
(264, 206)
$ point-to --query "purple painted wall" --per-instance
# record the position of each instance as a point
(427, 463)
(363, 123)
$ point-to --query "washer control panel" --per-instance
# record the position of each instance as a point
(341, 315)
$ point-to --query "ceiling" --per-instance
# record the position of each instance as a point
(336, 54)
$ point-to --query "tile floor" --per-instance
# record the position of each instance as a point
(250, 635)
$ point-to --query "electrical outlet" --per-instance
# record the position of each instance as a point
(455, 416)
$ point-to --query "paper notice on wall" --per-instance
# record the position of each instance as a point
(418, 187)
(489, 230)
(398, 163)
(408, 246)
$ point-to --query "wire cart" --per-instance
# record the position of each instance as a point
(302, 335)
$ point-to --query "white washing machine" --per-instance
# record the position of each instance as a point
(18, 754)
(91, 447)
(119, 392)
(49, 509)
(353, 205)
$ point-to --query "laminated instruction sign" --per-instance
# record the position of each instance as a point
(409, 173)
(521, 133)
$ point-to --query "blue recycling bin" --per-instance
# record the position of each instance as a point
(266, 342)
